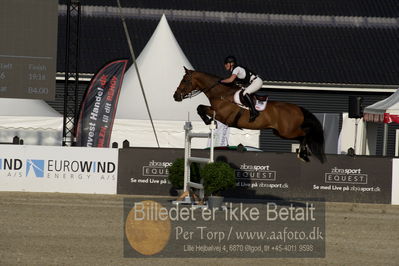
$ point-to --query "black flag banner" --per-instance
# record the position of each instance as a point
(99, 105)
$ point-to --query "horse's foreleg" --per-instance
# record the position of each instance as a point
(203, 111)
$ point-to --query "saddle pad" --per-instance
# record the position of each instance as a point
(261, 105)
(237, 97)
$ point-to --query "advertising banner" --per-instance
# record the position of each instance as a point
(58, 169)
(144, 171)
(266, 175)
(263, 175)
(99, 105)
(350, 179)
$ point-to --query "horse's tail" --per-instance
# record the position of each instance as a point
(314, 137)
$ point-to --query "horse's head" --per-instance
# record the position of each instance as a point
(187, 87)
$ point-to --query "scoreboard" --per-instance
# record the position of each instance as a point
(28, 48)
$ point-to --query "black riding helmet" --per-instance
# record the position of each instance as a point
(230, 59)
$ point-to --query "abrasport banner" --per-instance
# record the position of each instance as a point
(99, 105)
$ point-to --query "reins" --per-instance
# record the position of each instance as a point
(214, 85)
(196, 92)
(211, 87)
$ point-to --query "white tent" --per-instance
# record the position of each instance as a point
(385, 111)
(160, 67)
(32, 120)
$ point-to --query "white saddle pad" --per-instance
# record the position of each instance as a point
(259, 105)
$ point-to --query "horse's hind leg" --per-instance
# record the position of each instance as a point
(202, 111)
(297, 134)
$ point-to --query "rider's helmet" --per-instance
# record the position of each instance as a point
(230, 59)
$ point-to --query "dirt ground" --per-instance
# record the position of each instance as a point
(76, 229)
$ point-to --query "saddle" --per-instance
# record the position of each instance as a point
(259, 98)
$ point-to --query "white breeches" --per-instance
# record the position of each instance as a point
(254, 86)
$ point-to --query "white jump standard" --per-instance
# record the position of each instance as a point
(186, 198)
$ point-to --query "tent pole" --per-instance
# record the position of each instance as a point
(384, 148)
(137, 69)
(397, 143)
(364, 138)
(356, 126)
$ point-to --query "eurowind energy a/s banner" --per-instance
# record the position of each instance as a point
(35, 168)
(99, 105)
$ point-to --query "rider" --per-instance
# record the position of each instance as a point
(244, 78)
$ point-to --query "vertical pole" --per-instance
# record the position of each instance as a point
(397, 143)
(212, 128)
(364, 138)
(129, 42)
(65, 122)
(356, 125)
(384, 148)
(187, 154)
(71, 86)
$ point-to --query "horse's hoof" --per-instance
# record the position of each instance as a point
(306, 159)
(303, 156)
(206, 120)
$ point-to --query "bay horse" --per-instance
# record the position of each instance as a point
(288, 121)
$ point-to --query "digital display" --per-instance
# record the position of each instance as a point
(28, 48)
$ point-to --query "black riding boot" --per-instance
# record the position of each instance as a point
(253, 112)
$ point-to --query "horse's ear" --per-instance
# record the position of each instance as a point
(185, 69)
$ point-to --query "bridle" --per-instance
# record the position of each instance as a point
(194, 93)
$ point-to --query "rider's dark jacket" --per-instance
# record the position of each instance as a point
(249, 75)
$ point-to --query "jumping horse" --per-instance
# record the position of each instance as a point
(288, 121)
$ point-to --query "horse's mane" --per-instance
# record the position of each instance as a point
(230, 85)
(210, 75)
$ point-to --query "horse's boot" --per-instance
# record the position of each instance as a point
(253, 112)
